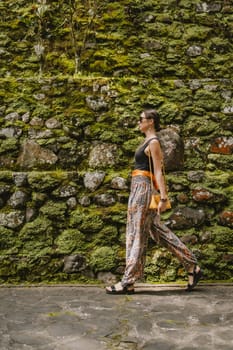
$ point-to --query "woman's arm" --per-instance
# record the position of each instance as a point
(157, 158)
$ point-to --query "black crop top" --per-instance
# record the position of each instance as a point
(141, 159)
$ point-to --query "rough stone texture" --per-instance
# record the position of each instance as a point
(103, 155)
(20, 179)
(32, 155)
(186, 218)
(226, 218)
(222, 145)
(12, 219)
(74, 263)
(93, 180)
(69, 106)
(155, 317)
(104, 199)
(173, 149)
(119, 183)
(18, 200)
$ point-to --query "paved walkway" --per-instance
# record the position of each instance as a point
(85, 318)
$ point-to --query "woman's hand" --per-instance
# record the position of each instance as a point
(161, 206)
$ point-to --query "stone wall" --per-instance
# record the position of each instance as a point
(73, 83)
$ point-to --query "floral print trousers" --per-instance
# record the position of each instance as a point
(142, 222)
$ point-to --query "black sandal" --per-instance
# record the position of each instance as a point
(124, 290)
(196, 277)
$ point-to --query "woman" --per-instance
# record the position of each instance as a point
(141, 220)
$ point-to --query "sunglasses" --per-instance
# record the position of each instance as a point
(142, 118)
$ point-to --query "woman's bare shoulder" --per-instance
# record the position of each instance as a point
(155, 139)
(154, 142)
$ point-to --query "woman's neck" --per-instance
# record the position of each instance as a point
(149, 135)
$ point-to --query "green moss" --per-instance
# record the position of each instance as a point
(131, 145)
(100, 65)
(54, 210)
(194, 159)
(38, 199)
(115, 215)
(91, 223)
(217, 178)
(169, 111)
(87, 221)
(111, 136)
(37, 238)
(196, 32)
(202, 125)
(179, 179)
(228, 194)
(157, 266)
(221, 161)
(70, 241)
(41, 226)
(45, 181)
(8, 268)
(223, 237)
(42, 111)
(61, 62)
(107, 236)
(208, 100)
(96, 130)
(76, 217)
(6, 176)
(8, 145)
(103, 259)
(8, 243)
(124, 173)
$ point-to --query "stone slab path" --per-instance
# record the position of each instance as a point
(156, 317)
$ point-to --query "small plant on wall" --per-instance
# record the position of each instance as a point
(39, 47)
(81, 19)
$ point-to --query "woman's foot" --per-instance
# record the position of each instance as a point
(194, 277)
(119, 289)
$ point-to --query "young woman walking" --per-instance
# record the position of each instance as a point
(142, 221)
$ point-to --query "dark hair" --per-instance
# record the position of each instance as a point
(153, 114)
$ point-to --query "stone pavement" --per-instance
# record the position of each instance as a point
(156, 317)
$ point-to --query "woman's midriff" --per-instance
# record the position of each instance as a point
(146, 173)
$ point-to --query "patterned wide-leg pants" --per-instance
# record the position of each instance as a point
(141, 221)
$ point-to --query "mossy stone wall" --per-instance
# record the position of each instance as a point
(74, 77)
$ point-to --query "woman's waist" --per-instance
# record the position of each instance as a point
(137, 172)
